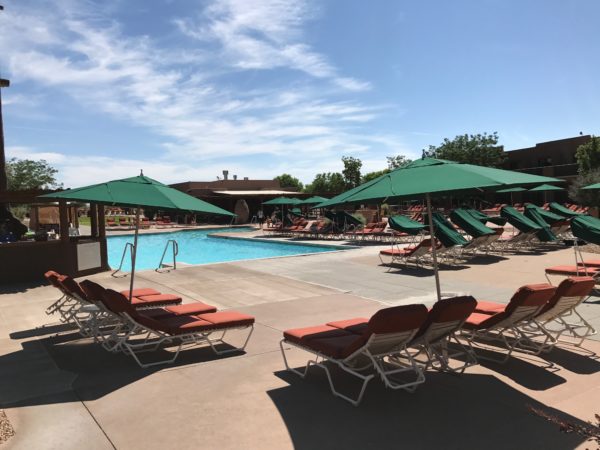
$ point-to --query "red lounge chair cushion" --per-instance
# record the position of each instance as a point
(71, 286)
(448, 310)
(484, 307)
(357, 325)
(227, 319)
(571, 287)
(303, 335)
(571, 271)
(593, 263)
(155, 299)
(178, 310)
(140, 292)
(395, 252)
(477, 320)
(337, 347)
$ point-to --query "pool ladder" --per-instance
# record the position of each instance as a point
(129, 246)
(162, 264)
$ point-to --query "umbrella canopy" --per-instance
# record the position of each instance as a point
(546, 187)
(592, 187)
(313, 200)
(138, 192)
(429, 177)
(511, 190)
(283, 201)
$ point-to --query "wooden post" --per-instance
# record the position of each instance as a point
(101, 222)
(63, 212)
(94, 219)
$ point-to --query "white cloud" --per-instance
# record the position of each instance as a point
(178, 94)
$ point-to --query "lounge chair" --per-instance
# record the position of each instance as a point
(497, 323)
(355, 350)
(414, 253)
(64, 303)
(439, 330)
(572, 271)
(179, 330)
(559, 316)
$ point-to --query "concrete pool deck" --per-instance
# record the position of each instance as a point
(62, 391)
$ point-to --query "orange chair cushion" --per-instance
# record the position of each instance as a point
(571, 271)
(489, 307)
(178, 310)
(140, 292)
(226, 319)
(337, 347)
(303, 335)
(155, 299)
(357, 325)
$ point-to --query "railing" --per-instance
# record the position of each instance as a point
(175, 247)
(129, 246)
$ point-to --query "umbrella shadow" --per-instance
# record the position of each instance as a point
(432, 417)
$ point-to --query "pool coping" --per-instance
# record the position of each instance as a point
(307, 244)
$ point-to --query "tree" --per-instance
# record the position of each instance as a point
(585, 197)
(24, 174)
(327, 184)
(372, 175)
(351, 171)
(395, 162)
(479, 149)
(588, 155)
(288, 181)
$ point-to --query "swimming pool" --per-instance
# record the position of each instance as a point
(196, 247)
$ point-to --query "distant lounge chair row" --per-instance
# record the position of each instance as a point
(390, 343)
(149, 322)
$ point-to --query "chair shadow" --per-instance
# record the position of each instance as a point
(471, 411)
(76, 364)
(574, 359)
(20, 287)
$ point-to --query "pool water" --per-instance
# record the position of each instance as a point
(196, 247)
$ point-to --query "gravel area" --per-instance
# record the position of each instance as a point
(6, 429)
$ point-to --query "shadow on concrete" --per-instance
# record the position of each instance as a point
(574, 359)
(46, 370)
(16, 288)
(470, 411)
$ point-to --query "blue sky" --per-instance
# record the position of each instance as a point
(185, 88)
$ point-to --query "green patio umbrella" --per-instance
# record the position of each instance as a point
(511, 191)
(435, 177)
(592, 187)
(545, 188)
(283, 202)
(314, 200)
(137, 192)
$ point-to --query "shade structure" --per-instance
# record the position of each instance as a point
(546, 187)
(285, 201)
(592, 187)
(429, 177)
(315, 200)
(511, 190)
(138, 192)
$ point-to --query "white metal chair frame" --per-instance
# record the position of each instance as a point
(520, 338)
(434, 344)
(376, 349)
(153, 339)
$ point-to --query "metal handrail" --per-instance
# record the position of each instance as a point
(128, 245)
(175, 247)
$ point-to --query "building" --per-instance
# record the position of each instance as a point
(550, 159)
(241, 196)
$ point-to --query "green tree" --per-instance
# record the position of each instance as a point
(585, 197)
(395, 162)
(372, 175)
(24, 174)
(288, 181)
(327, 184)
(479, 149)
(588, 155)
(351, 171)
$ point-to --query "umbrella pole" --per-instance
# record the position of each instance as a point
(433, 249)
(134, 254)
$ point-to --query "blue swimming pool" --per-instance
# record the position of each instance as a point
(197, 247)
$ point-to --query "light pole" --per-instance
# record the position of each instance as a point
(3, 180)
